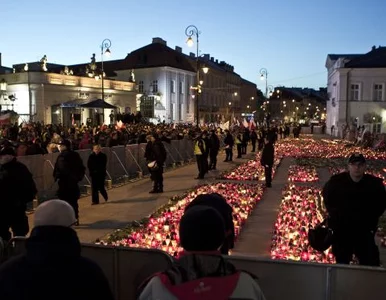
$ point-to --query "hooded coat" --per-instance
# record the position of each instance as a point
(53, 268)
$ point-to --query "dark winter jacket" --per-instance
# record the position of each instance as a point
(214, 144)
(354, 207)
(52, 268)
(157, 152)
(229, 141)
(97, 164)
(17, 186)
(268, 155)
(69, 170)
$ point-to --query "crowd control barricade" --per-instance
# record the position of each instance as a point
(286, 280)
(170, 157)
(131, 160)
(142, 160)
(126, 268)
(357, 283)
(136, 265)
(122, 162)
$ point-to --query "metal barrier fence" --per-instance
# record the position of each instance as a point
(123, 162)
(126, 268)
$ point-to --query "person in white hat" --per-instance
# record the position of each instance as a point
(52, 267)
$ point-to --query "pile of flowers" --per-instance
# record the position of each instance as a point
(251, 170)
(310, 148)
(160, 230)
(300, 209)
(302, 174)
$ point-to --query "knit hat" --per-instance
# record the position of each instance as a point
(54, 213)
(202, 229)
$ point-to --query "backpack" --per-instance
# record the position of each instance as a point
(217, 285)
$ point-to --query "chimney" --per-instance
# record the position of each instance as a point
(373, 48)
(0, 60)
(191, 54)
(206, 56)
(158, 40)
(178, 49)
(216, 61)
(212, 59)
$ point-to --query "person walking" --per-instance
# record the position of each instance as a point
(199, 152)
(229, 142)
(213, 151)
(354, 202)
(267, 159)
(97, 164)
(155, 155)
(17, 188)
(68, 171)
(253, 140)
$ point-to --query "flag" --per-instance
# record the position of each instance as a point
(225, 126)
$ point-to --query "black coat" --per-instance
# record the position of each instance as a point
(354, 207)
(155, 151)
(68, 170)
(214, 144)
(97, 164)
(268, 155)
(53, 268)
(16, 185)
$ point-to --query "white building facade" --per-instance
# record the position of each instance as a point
(356, 90)
(41, 96)
(163, 93)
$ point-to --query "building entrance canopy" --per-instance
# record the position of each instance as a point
(81, 103)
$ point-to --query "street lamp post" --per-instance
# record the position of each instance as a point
(105, 49)
(264, 75)
(190, 31)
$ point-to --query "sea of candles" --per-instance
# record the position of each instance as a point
(298, 173)
(251, 170)
(160, 230)
(300, 209)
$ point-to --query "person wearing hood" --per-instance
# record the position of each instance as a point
(201, 232)
(52, 267)
(69, 170)
(17, 189)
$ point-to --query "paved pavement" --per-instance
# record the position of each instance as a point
(133, 201)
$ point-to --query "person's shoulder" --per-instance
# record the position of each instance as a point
(13, 265)
(339, 177)
(373, 179)
(247, 287)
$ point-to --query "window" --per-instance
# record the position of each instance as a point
(172, 86)
(181, 87)
(354, 92)
(140, 87)
(378, 92)
(155, 86)
(147, 107)
(188, 87)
